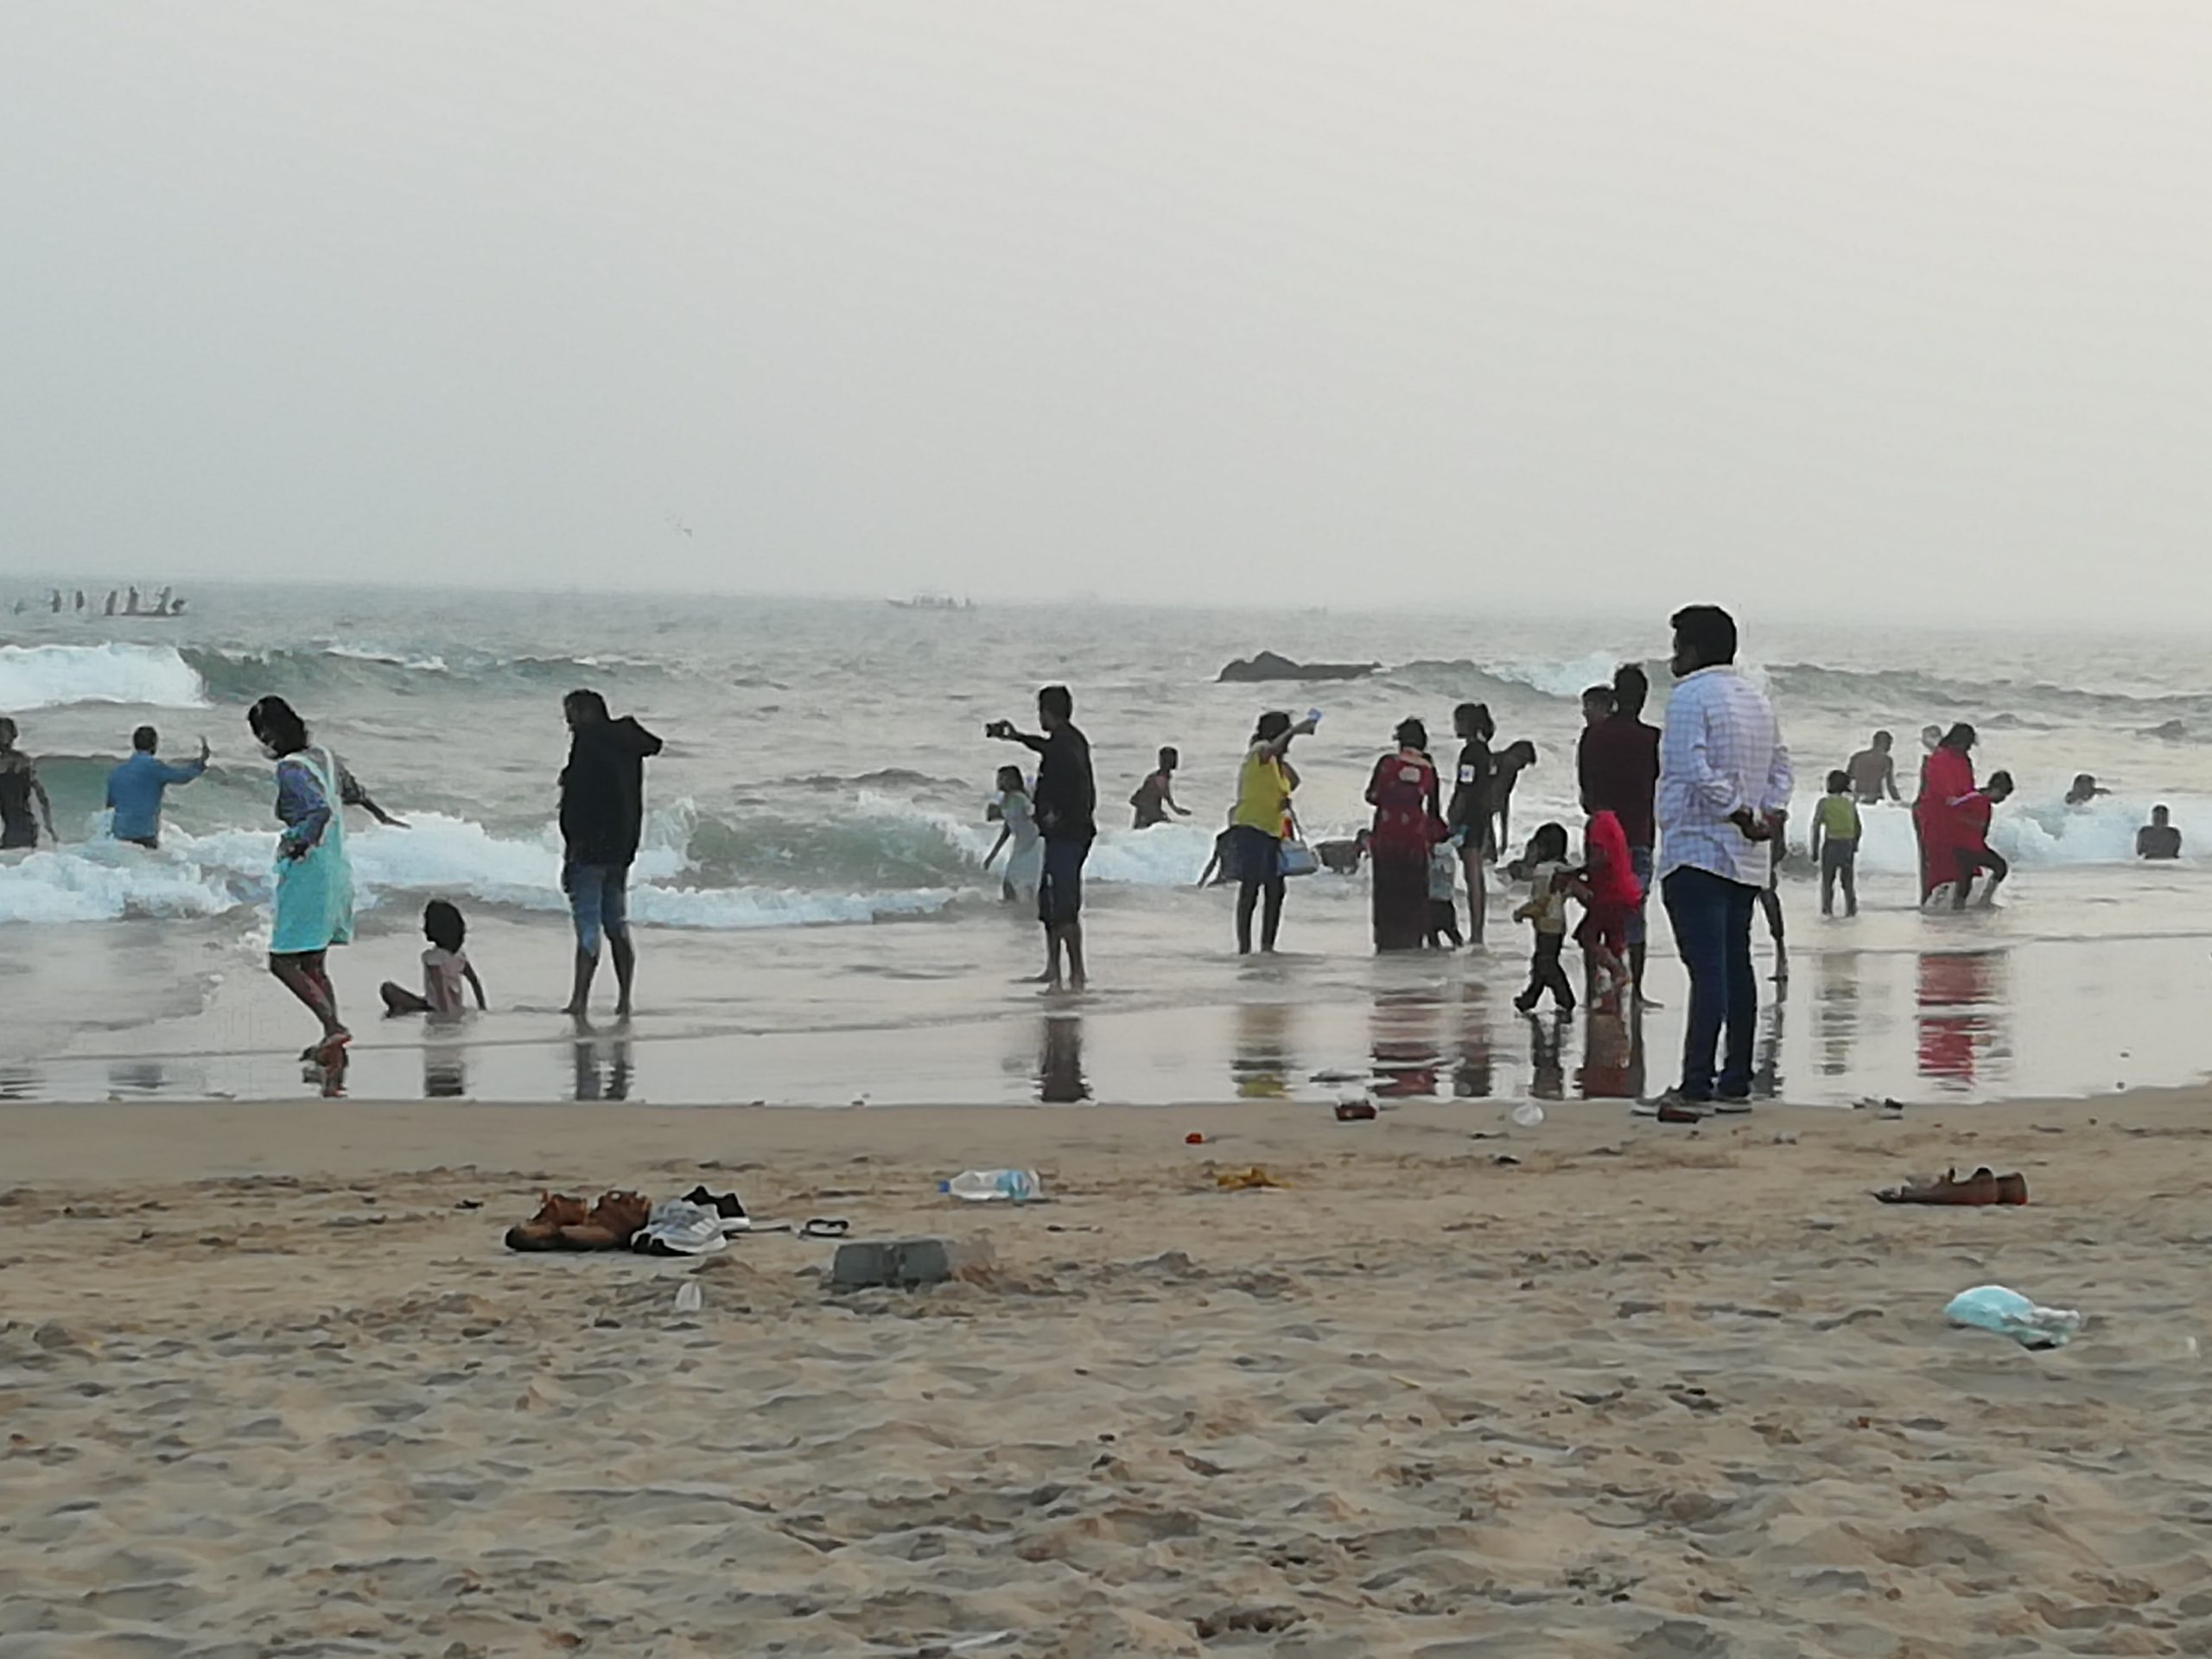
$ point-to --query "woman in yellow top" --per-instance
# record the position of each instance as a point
(1262, 820)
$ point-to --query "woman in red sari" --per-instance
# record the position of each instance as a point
(1946, 780)
(1407, 826)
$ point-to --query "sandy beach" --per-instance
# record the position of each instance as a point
(272, 1384)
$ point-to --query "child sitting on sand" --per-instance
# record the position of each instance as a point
(1544, 868)
(445, 965)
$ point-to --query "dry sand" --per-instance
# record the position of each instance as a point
(269, 1387)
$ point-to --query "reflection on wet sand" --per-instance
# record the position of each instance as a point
(23, 1082)
(1474, 1076)
(1263, 1063)
(445, 1072)
(1766, 1053)
(1964, 1034)
(1403, 1028)
(602, 1068)
(1836, 1018)
(1612, 1057)
(1547, 1073)
(147, 1077)
(1060, 1061)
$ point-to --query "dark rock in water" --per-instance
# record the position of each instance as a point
(1268, 666)
(2172, 731)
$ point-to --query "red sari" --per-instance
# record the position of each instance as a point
(1407, 824)
(1946, 779)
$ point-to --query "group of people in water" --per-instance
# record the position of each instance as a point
(121, 601)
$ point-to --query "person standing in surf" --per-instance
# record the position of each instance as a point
(1618, 764)
(312, 908)
(1945, 782)
(1262, 819)
(1067, 806)
(135, 787)
(19, 787)
(1408, 825)
(602, 816)
(1468, 816)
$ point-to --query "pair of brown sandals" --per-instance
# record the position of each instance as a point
(1983, 1186)
(563, 1223)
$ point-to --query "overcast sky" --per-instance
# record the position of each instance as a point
(1904, 302)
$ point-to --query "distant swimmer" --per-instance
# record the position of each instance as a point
(1343, 857)
(2084, 790)
(134, 788)
(1874, 771)
(19, 787)
(1155, 797)
(110, 611)
(2158, 838)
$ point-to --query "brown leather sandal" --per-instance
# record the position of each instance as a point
(613, 1222)
(1981, 1187)
(542, 1231)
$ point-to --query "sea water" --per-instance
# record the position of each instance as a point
(822, 792)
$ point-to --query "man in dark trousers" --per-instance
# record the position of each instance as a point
(602, 812)
(1066, 802)
(1618, 765)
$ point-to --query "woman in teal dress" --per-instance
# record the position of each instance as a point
(313, 907)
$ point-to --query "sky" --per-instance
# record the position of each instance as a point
(1881, 310)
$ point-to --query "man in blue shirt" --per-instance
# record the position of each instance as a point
(134, 788)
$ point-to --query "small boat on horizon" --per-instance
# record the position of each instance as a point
(931, 602)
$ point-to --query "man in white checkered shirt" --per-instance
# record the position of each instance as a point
(1724, 781)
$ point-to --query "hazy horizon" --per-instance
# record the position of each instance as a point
(1865, 313)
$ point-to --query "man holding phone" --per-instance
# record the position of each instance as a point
(1067, 801)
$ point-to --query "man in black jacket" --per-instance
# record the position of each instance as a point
(602, 811)
(1067, 801)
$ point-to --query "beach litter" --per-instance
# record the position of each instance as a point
(1527, 1115)
(1355, 1111)
(1244, 1180)
(1194, 1139)
(687, 1297)
(1981, 1187)
(2008, 1313)
(995, 1187)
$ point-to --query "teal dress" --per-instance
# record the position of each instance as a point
(314, 888)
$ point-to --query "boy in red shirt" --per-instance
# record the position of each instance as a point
(1975, 854)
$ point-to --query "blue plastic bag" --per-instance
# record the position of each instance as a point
(1992, 1307)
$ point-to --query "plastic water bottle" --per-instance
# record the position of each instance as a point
(1528, 1114)
(994, 1185)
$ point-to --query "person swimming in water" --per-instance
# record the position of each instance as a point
(1155, 797)
(2083, 790)
(1873, 771)
(2158, 839)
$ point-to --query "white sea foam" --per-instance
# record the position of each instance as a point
(51, 677)
(1558, 679)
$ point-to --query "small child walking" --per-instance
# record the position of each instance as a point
(1443, 886)
(1836, 828)
(1545, 868)
(1609, 892)
(445, 968)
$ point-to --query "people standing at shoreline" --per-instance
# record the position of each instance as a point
(1443, 883)
(1873, 771)
(1067, 803)
(19, 787)
(1468, 816)
(1946, 781)
(1017, 819)
(1617, 763)
(603, 819)
(1265, 784)
(1155, 797)
(312, 908)
(1836, 828)
(1407, 824)
(2158, 839)
(1724, 775)
(1611, 893)
(135, 787)
(1770, 898)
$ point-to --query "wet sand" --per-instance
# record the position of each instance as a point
(272, 1384)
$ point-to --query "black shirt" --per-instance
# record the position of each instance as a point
(1469, 792)
(603, 791)
(1619, 760)
(1065, 798)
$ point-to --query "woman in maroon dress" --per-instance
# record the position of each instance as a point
(1407, 827)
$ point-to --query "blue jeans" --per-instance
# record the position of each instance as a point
(1712, 916)
(599, 900)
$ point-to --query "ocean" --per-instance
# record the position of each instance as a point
(812, 858)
